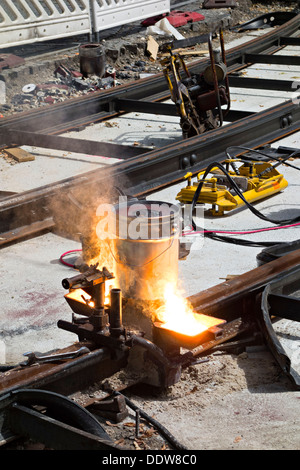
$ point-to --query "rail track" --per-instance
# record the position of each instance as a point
(144, 170)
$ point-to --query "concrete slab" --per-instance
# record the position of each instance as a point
(48, 167)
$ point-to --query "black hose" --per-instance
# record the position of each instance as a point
(294, 154)
(240, 241)
(215, 236)
(161, 429)
(151, 348)
(240, 194)
(4, 368)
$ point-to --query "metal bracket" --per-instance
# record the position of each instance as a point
(286, 121)
(112, 408)
(267, 20)
(187, 161)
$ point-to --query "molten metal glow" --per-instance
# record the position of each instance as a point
(81, 296)
(177, 315)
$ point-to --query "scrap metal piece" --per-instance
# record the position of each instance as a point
(267, 20)
(8, 61)
(111, 408)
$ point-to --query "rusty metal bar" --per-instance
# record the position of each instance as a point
(272, 59)
(260, 83)
(65, 378)
(236, 290)
(21, 233)
(89, 147)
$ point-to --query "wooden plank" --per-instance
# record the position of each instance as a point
(19, 154)
(186, 52)
(152, 48)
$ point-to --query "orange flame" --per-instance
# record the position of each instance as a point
(177, 314)
(81, 296)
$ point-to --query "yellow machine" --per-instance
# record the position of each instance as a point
(255, 181)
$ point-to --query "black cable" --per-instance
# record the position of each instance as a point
(240, 241)
(215, 236)
(270, 157)
(161, 429)
(240, 194)
(5, 368)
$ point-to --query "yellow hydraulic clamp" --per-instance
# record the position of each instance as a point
(255, 180)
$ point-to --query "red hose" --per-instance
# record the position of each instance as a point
(61, 259)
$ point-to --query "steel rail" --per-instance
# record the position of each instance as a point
(155, 169)
(225, 298)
